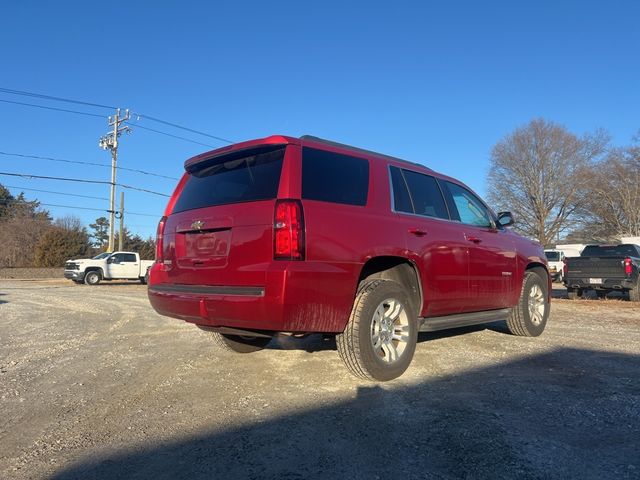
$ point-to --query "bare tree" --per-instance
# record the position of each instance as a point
(538, 172)
(613, 195)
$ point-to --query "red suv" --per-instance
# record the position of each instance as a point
(304, 235)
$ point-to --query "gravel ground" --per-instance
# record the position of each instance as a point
(94, 384)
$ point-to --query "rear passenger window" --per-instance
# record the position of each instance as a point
(424, 195)
(129, 257)
(333, 177)
(401, 199)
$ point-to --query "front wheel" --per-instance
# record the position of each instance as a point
(239, 343)
(529, 317)
(92, 278)
(380, 338)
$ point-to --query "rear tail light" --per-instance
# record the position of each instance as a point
(159, 241)
(288, 231)
(628, 267)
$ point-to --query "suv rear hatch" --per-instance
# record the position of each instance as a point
(220, 230)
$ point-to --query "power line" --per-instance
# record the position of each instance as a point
(53, 108)
(75, 207)
(139, 115)
(79, 180)
(137, 125)
(51, 159)
(147, 117)
(49, 97)
(57, 193)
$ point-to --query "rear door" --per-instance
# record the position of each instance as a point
(492, 255)
(123, 265)
(438, 244)
(220, 231)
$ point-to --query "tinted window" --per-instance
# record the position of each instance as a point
(129, 257)
(609, 251)
(332, 177)
(470, 209)
(426, 197)
(401, 200)
(234, 178)
(117, 258)
(552, 256)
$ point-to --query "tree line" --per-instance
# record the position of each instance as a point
(30, 237)
(565, 187)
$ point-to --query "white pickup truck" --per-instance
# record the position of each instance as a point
(555, 258)
(108, 266)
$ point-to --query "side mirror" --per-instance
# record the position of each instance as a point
(111, 260)
(505, 219)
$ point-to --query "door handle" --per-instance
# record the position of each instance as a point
(473, 239)
(417, 232)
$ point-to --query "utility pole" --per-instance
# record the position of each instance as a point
(121, 236)
(110, 142)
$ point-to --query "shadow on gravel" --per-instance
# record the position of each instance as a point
(1, 300)
(565, 414)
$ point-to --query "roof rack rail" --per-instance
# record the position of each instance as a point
(360, 150)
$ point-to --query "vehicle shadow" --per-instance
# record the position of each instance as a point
(1, 300)
(569, 413)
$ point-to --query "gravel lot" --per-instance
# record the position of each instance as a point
(94, 384)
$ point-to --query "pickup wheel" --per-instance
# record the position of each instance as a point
(529, 317)
(238, 343)
(574, 293)
(144, 280)
(92, 278)
(380, 338)
(634, 293)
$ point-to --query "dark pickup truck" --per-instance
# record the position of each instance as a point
(604, 268)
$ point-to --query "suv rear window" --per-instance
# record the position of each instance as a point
(333, 177)
(234, 178)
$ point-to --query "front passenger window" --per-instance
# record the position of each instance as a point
(471, 210)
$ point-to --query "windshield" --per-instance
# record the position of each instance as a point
(552, 256)
(609, 251)
(101, 256)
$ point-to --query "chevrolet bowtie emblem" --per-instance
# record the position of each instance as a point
(197, 225)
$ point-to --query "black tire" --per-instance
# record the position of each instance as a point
(367, 345)
(239, 344)
(574, 293)
(92, 278)
(144, 280)
(634, 293)
(529, 317)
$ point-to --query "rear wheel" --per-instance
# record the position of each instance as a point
(239, 343)
(529, 317)
(92, 278)
(380, 338)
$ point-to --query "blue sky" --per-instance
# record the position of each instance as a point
(434, 82)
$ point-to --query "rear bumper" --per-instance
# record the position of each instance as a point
(297, 297)
(615, 283)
